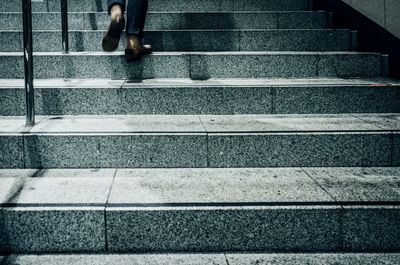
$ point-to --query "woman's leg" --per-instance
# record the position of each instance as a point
(111, 38)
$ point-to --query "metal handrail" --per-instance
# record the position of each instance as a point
(28, 57)
(28, 63)
(64, 23)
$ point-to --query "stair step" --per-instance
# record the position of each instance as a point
(193, 40)
(216, 259)
(197, 65)
(214, 96)
(166, 5)
(200, 210)
(201, 141)
(177, 20)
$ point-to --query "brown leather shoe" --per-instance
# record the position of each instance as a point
(136, 53)
(113, 34)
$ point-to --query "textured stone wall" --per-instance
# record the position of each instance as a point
(384, 12)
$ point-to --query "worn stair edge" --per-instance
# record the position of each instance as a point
(192, 40)
(197, 65)
(177, 20)
(288, 209)
(217, 259)
(188, 97)
(201, 141)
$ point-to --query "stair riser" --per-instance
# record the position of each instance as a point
(165, 5)
(46, 229)
(173, 21)
(313, 40)
(301, 228)
(196, 66)
(200, 150)
(203, 100)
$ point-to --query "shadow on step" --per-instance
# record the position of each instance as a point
(6, 224)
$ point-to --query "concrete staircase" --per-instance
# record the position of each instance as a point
(252, 127)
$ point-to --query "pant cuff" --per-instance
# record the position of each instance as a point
(116, 2)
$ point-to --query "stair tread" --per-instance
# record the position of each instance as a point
(187, 82)
(188, 30)
(193, 187)
(121, 53)
(225, 124)
(206, 258)
(186, 12)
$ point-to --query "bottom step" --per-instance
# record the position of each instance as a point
(200, 210)
(215, 259)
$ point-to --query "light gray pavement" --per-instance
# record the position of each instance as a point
(203, 123)
(174, 210)
(206, 259)
(186, 141)
(197, 185)
(177, 82)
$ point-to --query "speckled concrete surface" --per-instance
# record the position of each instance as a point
(120, 124)
(160, 20)
(58, 186)
(193, 40)
(348, 65)
(359, 184)
(159, 65)
(229, 20)
(315, 259)
(396, 150)
(15, 6)
(389, 121)
(216, 141)
(72, 219)
(214, 229)
(382, 224)
(13, 124)
(58, 151)
(270, 5)
(131, 150)
(337, 99)
(285, 123)
(70, 100)
(293, 150)
(154, 96)
(214, 186)
(11, 41)
(295, 40)
(167, 151)
(196, 65)
(195, 100)
(215, 259)
(11, 150)
(121, 259)
(252, 65)
(64, 229)
(304, 20)
(78, 6)
(154, 5)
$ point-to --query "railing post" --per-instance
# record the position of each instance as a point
(28, 63)
(64, 23)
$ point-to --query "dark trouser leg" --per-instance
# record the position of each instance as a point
(136, 13)
(110, 3)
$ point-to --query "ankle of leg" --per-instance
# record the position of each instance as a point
(133, 42)
(116, 11)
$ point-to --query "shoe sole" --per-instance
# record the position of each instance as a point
(138, 56)
(111, 38)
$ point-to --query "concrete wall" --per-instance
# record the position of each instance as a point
(384, 12)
